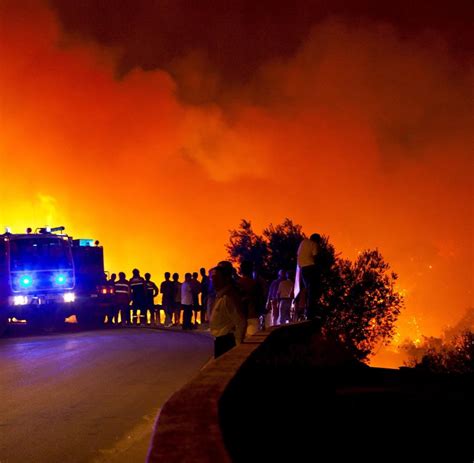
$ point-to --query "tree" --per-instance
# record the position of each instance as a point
(359, 298)
(454, 357)
(282, 241)
(246, 245)
(361, 302)
(452, 353)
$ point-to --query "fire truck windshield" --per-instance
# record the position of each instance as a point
(28, 254)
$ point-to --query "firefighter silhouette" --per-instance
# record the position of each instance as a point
(137, 290)
(122, 298)
(151, 291)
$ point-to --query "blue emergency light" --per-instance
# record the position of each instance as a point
(60, 279)
(26, 281)
(86, 242)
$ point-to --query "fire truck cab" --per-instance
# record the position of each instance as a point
(47, 276)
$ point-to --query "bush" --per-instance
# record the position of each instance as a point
(455, 356)
(359, 298)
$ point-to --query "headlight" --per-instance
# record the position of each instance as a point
(20, 300)
(69, 297)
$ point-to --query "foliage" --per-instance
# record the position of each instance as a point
(246, 245)
(282, 242)
(362, 302)
(359, 298)
(455, 356)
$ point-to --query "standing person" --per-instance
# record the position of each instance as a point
(187, 299)
(167, 301)
(249, 290)
(122, 298)
(261, 296)
(272, 300)
(104, 279)
(228, 265)
(151, 291)
(228, 322)
(204, 294)
(113, 278)
(211, 297)
(177, 299)
(112, 311)
(306, 258)
(196, 287)
(137, 289)
(300, 305)
(212, 291)
(285, 294)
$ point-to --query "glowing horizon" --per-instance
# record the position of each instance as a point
(378, 157)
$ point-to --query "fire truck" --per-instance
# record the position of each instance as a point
(47, 276)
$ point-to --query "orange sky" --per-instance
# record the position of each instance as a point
(361, 135)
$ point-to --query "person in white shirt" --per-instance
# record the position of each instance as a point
(271, 318)
(285, 296)
(187, 301)
(228, 322)
(306, 258)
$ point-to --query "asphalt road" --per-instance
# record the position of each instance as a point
(90, 396)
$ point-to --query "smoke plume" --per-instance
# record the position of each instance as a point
(352, 128)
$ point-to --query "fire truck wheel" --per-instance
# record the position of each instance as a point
(89, 319)
(43, 322)
(3, 324)
(49, 322)
(35, 322)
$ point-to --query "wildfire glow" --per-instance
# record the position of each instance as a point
(362, 135)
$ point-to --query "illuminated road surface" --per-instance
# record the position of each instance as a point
(90, 396)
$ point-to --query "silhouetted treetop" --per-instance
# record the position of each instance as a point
(359, 297)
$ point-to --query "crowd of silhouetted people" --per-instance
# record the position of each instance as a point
(189, 303)
(182, 303)
(232, 303)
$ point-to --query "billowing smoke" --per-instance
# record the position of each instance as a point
(356, 130)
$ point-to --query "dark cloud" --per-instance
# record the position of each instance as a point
(238, 36)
